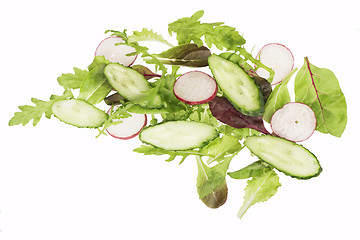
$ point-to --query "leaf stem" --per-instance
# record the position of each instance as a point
(316, 91)
(257, 62)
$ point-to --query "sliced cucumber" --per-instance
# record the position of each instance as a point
(286, 156)
(130, 84)
(237, 86)
(179, 135)
(78, 113)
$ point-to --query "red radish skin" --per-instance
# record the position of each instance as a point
(195, 87)
(129, 128)
(116, 54)
(279, 58)
(294, 121)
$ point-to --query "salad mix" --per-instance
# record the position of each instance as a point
(211, 117)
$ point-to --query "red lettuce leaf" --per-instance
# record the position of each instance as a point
(226, 113)
(148, 74)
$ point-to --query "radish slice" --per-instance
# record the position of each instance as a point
(195, 87)
(116, 53)
(129, 128)
(279, 58)
(294, 121)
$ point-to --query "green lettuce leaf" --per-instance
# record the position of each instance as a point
(320, 89)
(259, 189)
(202, 113)
(239, 133)
(211, 178)
(255, 169)
(36, 112)
(221, 147)
(278, 97)
(95, 87)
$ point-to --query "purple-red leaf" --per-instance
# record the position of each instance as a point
(148, 74)
(226, 113)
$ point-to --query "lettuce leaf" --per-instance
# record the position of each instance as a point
(148, 74)
(222, 147)
(255, 169)
(259, 189)
(211, 183)
(226, 113)
(185, 55)
(95, 86)
(320, 89)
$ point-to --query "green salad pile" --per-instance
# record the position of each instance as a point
(212, 132)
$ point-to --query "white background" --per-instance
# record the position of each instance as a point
(60, 182)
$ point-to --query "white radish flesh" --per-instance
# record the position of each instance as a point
(116, 53)
(279, 58)
(294, 121)
(129, 127)
(195, 87)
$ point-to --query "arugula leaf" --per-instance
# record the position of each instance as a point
(259, 189)
(36, 112)
(151, 150)
(278, 97)
(147, 35)
(95, 86)
(191, 29)
(237, 59)
(144, 35)
(255, 169)
(73, 81)
(202, 113)
(115, 117)
(319, 89)
(239, 133)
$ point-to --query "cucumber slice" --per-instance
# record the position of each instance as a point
(237, 86)
(79, 113)
(130, 84)
(286, 156)
(179, 135)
